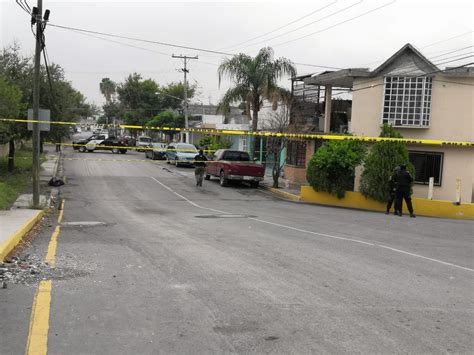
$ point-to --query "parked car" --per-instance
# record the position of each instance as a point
(143, 142)
(156, 151)
(234, 165)
(181, 153)
(100, 142)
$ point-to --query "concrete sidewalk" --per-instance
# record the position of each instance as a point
(286, 189)
(20, 219)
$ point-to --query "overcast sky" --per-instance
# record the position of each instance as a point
(436, 28)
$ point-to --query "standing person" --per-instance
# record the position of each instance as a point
(392, 191)
(200, 167)
(403, 181)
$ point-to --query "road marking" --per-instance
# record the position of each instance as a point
(37, 343)
(371, 243)
(52, 246)
(61, 213)
(186, 199)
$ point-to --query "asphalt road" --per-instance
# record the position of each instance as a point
(175, 268)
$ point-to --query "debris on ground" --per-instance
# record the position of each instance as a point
(30, 269)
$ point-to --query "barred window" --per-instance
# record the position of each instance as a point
(427, 164)
(296, 153)
(407, 101)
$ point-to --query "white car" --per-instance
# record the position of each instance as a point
(143, 142)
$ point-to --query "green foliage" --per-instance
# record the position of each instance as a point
(380, 164)
(16, 182)
(107, 88)
(172, 96)
(255, 78)
(139, 99)
(331, 169)
(65, 103)
(213, 143)
(10, 107)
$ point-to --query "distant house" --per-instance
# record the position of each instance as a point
(206, 117)
(422, 102)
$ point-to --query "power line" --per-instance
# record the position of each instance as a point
(141, 40)
(337, 24)
(284, 26)
(306, 25)
(448, 39)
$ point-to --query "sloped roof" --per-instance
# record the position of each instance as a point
(407, 60)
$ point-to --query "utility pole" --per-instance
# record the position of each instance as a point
(185, 71)
(36, 18)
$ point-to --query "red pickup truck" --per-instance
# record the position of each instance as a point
(234, 165)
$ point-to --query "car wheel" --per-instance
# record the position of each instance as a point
(254, 184)
(123, 151)
(222, 179)
(176, 162)
(153, 156)
(82, 149)
(115, 150)
(207, 177)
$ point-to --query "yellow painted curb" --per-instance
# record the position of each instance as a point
(13, 241)
(284, 194)
(422, 207)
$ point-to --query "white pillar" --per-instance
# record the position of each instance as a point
(327, 108)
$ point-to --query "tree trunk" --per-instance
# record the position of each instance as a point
(276, 162)
(11, 155)
(255, 145)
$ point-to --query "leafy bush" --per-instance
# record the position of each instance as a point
(332, 167)
(213, 143)
(382, 159)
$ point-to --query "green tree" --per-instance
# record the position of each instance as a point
(107, 88)
(140, 99)
(382, 159)
(167, 119)
(65, 103)
(10, 107)
(213, 143)
(254, 78)
(172, 96)
(332, 167)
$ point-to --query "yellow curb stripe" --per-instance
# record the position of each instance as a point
(61, 213)
(12, 242)
(284, 194)
(37, 343)
(53, 244)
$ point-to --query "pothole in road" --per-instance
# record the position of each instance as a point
(226, 216)
(83, 224)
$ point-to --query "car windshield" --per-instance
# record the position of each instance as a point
(236, 156)
(158, 145)
(187, 148)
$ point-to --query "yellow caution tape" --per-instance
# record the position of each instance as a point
(271, 134)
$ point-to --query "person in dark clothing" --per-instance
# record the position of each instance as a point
(392, 192)
(200, 167)
(403, 181)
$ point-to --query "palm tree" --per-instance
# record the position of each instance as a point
(107, 88)
(255, 78)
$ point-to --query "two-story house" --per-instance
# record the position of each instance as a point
(421, 101)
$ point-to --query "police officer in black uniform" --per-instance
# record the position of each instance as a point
(403, 182)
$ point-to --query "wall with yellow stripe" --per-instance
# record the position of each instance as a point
(422, 207)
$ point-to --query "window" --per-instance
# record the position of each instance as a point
(427, 164)
(296, 153)
(231, 155)
(407, 101)
(243, 143)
